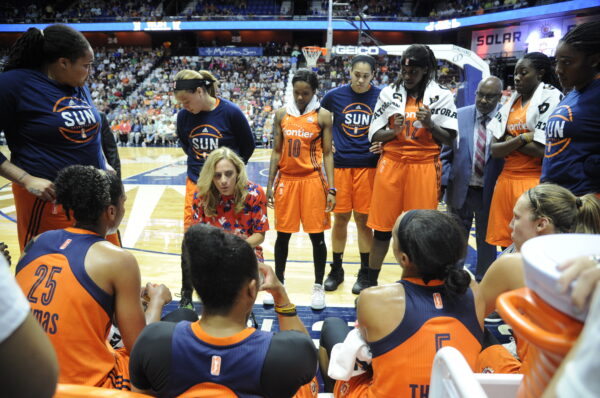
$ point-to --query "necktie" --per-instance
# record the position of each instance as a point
(480, 146)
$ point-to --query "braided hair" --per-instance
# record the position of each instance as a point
(421, 55)
(35, 48)
(86, 192)
(541, 62)
(585, 38)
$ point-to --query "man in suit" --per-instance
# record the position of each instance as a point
(470, 172)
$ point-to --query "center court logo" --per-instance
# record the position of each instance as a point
(205, 139)
(555, 136)
(357, 118)
(80, 123)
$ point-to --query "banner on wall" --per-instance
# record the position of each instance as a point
(230, 51)
(499, 41)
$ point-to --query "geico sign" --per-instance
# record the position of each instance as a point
(353, 50)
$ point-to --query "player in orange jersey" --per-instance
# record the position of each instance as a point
(413, 118)
(77, 283)
(300, 193)
(519, 130)
(435, 304)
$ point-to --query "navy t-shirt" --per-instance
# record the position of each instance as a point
(48, 125)
(352, 114)
(572, 155)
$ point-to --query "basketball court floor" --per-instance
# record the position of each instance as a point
(152, 229)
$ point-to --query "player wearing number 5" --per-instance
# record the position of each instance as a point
(297, 188)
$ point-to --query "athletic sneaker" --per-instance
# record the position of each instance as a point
(334, 279)
(317, 301)
(268, 299)
(362, 282)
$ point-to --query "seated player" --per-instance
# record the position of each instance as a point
(435, 304)
(227, 200)
(219, 355)
(542, 210)
(76, 282)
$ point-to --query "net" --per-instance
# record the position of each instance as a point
(312, 55)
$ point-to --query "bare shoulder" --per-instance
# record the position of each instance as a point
(108, 255)
(279, 113)
(380, 310)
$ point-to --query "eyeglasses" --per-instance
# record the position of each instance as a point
(488, 97)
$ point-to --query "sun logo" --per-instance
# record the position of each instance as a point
(204, 139)
(555, 138)
(80, 122)
(357, 118)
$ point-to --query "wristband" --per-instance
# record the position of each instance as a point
(332, 191)
(523, 140)
(286, 310)
(22, 176)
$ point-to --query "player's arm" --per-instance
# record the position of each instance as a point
(256, 239)
(505, 274)
(275, 153)
(245, 136)
(326, 123)
(385, 135)
(523, 143)
(179, 130)
(40, 187)
(289, 320)
(440, 135)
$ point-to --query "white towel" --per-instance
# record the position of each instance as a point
(293, 110)
(392, 101)
(542, 103)
(342, 364)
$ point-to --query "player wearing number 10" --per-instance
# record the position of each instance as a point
(300, 193)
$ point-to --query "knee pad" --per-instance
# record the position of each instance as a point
(382, 236)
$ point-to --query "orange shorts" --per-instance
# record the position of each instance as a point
(354, 189)
(35, 216)
(118, 378)
(497, 359)
(301, 199)
(401, 186)
(356, 387)
(190, 190)
(506, 193)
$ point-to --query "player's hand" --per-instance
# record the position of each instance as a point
(4, 252)
(424, 116)
(40, 187)
(269, 281)
(585, 272)
(270, 198)
(376, 148)
(528, 137)
(330, 203)
(398, 120)
(158, 293)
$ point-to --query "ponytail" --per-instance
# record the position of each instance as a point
(588, 217)
(26, 51)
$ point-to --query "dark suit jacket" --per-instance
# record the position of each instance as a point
(457, 163)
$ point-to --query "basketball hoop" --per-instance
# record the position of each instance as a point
(312, 55)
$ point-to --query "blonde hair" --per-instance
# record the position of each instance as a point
(208, 191)
(188, 74)
(567, 212)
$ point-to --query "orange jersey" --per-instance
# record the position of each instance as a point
(411, 143)
(517, 162)
(75, 312)
(301, 153)
(402, 360)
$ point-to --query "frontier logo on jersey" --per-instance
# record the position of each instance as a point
(555, 136)
(204, 139)
(357, 118)
(80, 124)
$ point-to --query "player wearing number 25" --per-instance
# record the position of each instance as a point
(76, 282)
(300, 193)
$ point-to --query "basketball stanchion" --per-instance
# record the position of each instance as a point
(312, 55)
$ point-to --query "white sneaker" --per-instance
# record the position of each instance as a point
(268, 299)
(317, 301)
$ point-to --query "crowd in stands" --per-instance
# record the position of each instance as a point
(149, 10)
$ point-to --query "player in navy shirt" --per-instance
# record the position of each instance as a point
(219, 355)
(352, 108)
(572, 156)
(49, 120)
(206, 123)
